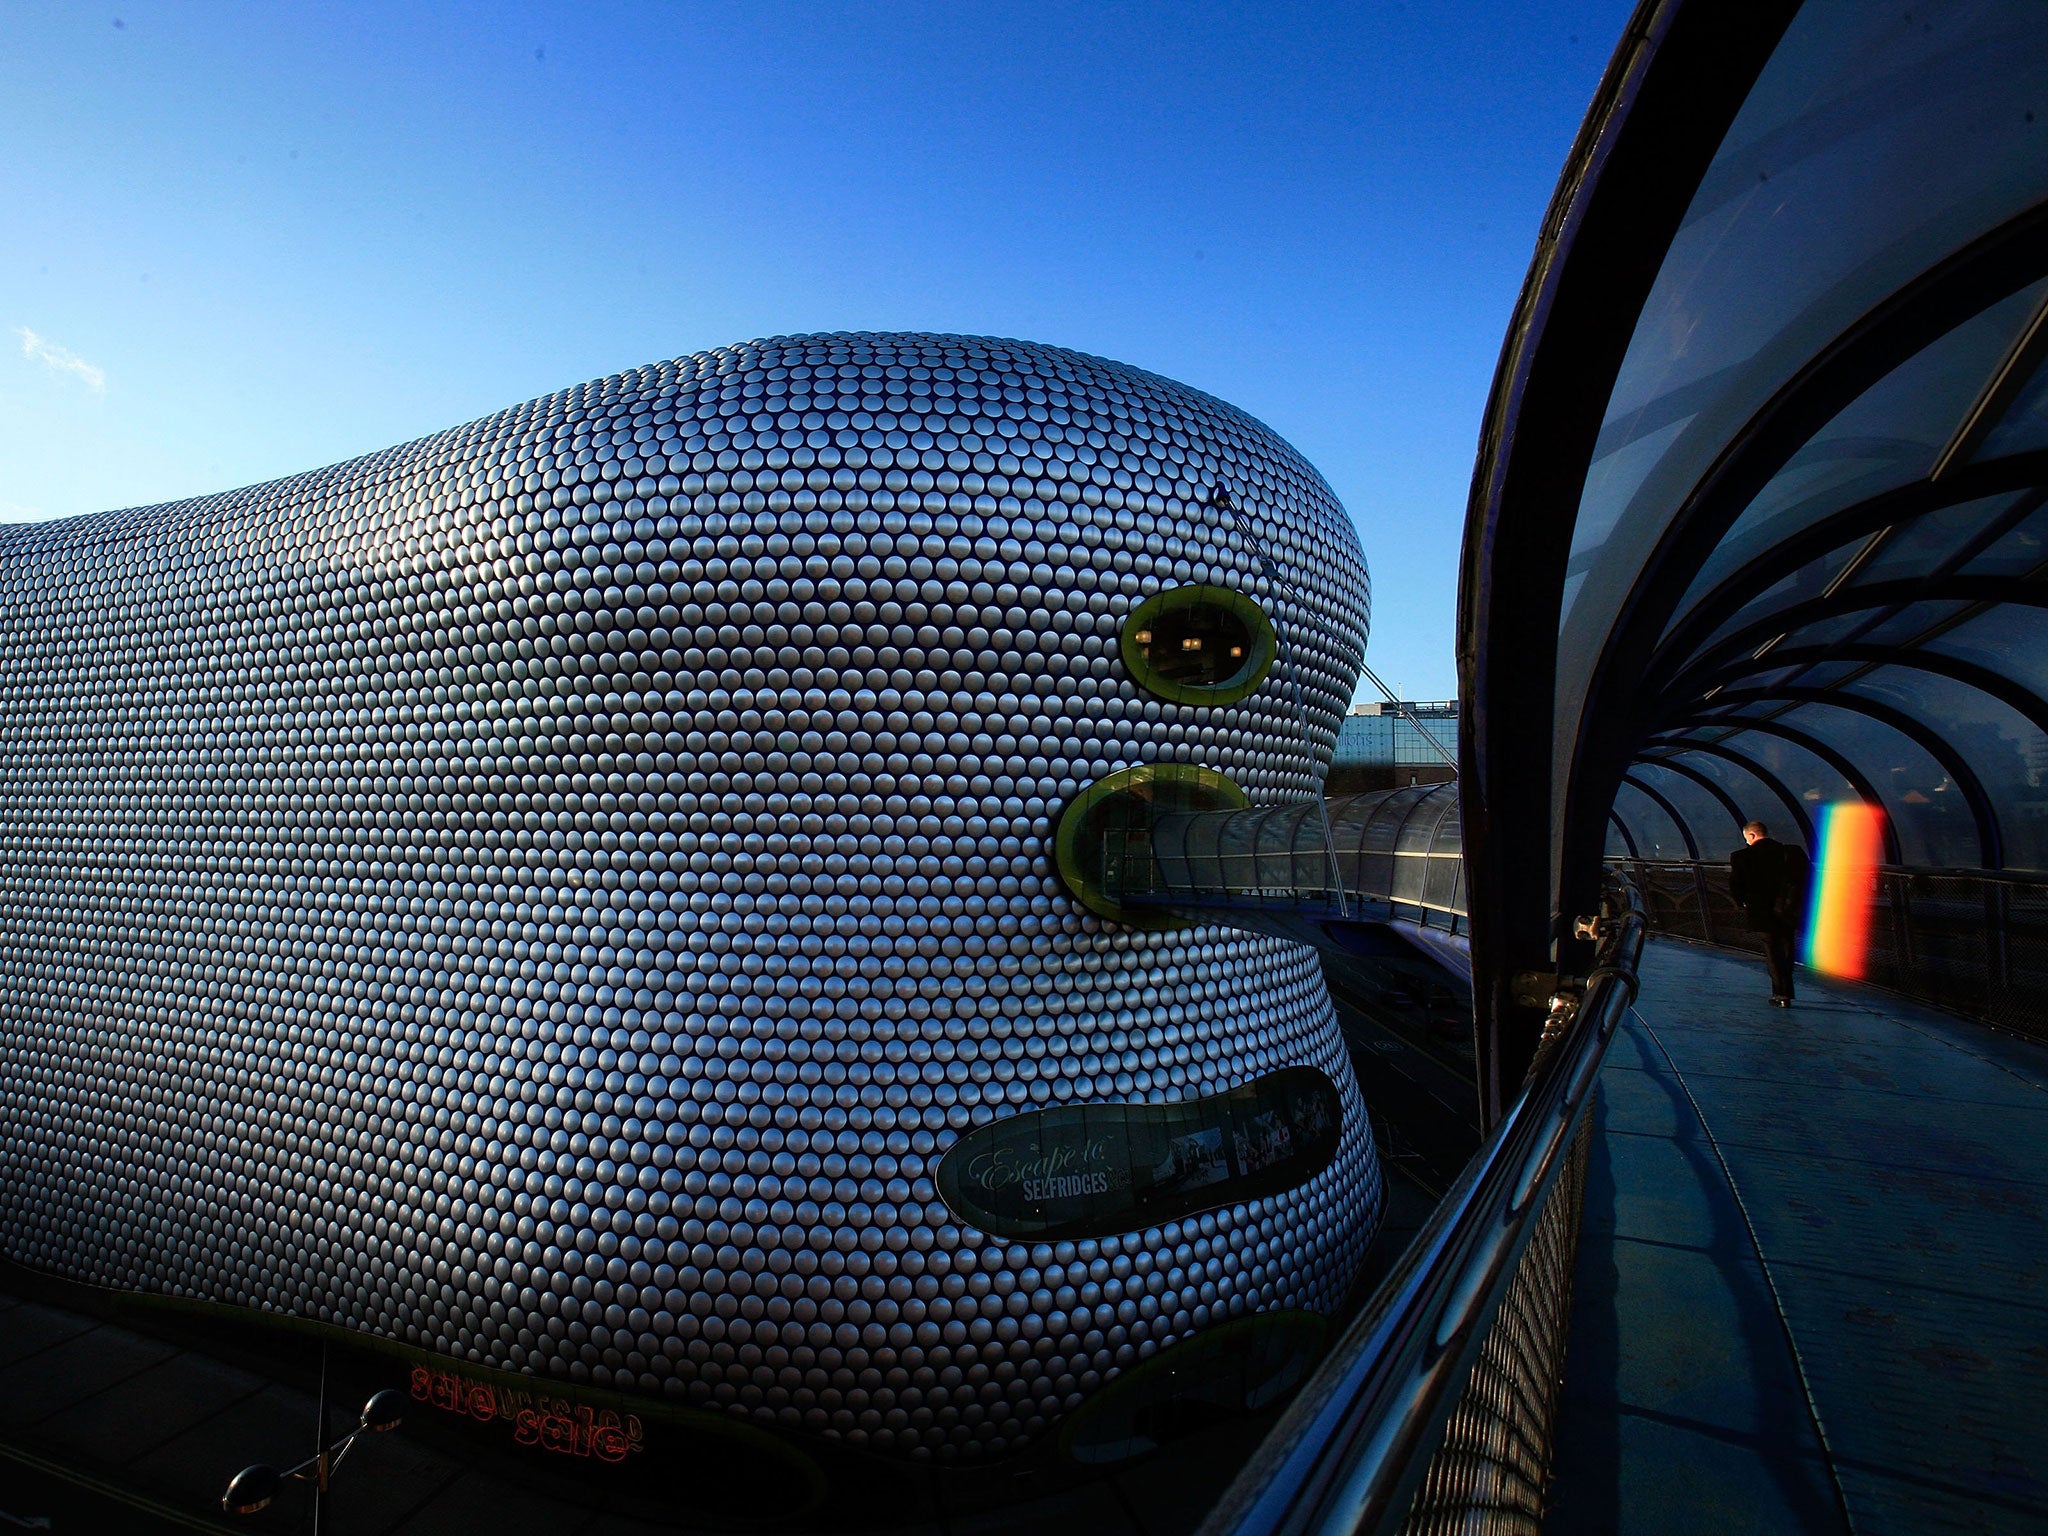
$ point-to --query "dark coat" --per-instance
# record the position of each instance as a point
(1769, 881)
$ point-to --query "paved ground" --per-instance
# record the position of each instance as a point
(1813, 1280)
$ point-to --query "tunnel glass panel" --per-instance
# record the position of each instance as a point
(1746, 789)
(1202, 842)
(1443, 880)
(1810, 780)
(1350, 822)
(1866, 153)
(1199, 644)
(1928, 812)
(2020, 551)
(1656, 834)
(2024, 427)
(1798, 585)
(2009, 756)
(1755, 800)
(1753, 619)
(2009, 641)
(1908, 624)
(1711, 825)
(1417, 832)
(1617, 843)
(1934, 538)
(1822, 675)
(1276, 847)
(1888, 437)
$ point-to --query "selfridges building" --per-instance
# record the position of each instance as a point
(608, 892)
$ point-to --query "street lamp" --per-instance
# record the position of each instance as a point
(252, 1488)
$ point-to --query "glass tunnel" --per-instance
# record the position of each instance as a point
(1384, 856)
(1806, 563)
(1785, 362)
(1756, 532)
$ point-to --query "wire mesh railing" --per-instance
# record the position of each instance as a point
(1971, 941)
(1432, 1414)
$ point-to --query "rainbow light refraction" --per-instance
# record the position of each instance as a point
(1838, 921)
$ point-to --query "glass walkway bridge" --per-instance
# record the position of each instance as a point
(1768, 455)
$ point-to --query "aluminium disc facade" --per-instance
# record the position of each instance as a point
(551, 893)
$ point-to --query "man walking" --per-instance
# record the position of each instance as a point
(1768, 880)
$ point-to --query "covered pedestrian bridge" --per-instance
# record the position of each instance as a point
(1767, 455)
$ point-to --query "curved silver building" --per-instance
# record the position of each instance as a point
(557, 894)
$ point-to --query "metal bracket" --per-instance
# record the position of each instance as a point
(1592, 928)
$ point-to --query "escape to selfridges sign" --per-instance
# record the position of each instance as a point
(1090, 1169)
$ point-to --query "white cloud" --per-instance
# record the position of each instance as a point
(15, 512)
(60, 359)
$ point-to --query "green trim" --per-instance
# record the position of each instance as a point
(1240, 683)
(1131, 795)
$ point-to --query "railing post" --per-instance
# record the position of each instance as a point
(1905, 959)
(1997, 936)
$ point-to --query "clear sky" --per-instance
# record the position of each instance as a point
(242, 240)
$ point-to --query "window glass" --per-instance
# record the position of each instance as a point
(1705, 817)
(2009, 755)
(1656, 834)
(1887, 438)
(1103, 845)
(1753, 796)
(1933, 822)
(2024, 427)
(2022, 550)
(1087, 1170)
(1931, 540)
(1199, 644)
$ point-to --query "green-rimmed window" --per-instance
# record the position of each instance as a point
(1199, 645)
(1108, 826)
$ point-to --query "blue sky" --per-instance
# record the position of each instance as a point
(248, 239)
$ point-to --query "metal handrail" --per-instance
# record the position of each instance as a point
(1349, 1453)
(1920, 871)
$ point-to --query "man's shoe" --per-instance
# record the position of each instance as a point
(1781, 1002)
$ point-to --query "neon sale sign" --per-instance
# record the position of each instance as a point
(552, 1423)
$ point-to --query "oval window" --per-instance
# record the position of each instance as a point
(1199, 645)
(1103, 845)
(1087, 1170)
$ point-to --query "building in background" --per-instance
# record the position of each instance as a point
(1388, 746)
